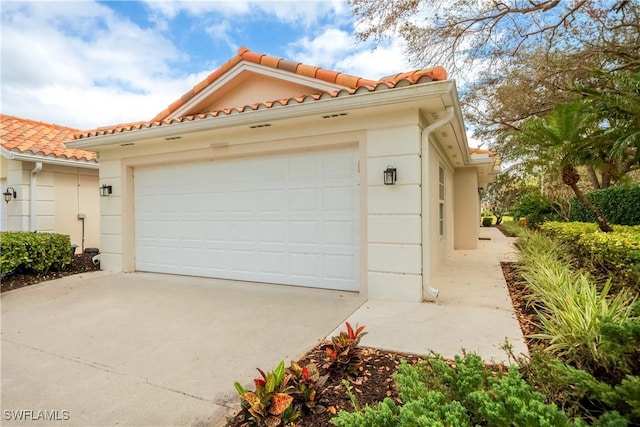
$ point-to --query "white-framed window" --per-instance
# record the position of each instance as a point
(441, 201)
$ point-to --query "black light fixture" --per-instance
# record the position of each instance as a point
(9, 194)
(390, 176)
(480, 190)
(105, 190)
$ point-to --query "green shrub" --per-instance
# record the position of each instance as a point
(621, 340)
(434, 393)
(617, 252)
(33, 252)
(580, 394)
(511, 228)
(618, 204)
(535, 208)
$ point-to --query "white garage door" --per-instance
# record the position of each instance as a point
(288, 219)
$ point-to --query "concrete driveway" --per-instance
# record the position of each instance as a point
(140, 349)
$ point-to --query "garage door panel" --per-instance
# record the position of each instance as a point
(272, 232)
(289, 219)
(338, 266)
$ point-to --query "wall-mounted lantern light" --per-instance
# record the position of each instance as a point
(105, 190)
(480, 190)
(390, 176)
(9, 194)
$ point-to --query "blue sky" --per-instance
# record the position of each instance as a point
(86, 64)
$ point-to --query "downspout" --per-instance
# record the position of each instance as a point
(32, 196)
(426, 217)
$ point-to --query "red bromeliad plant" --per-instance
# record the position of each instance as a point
(343, 352)
(271, 403)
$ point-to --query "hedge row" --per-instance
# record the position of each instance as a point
(620, 205)
(33, 252)
(617, 251)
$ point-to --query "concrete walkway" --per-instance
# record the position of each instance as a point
(473, 310)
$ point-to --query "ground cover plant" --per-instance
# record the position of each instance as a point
(585, 333)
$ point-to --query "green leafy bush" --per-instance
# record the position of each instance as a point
(579, 394)
(617, 252)
(435, 393)
(33, 252)
(621, 340)
(535, 208)
(618, 204)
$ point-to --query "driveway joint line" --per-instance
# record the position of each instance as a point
(106, 368)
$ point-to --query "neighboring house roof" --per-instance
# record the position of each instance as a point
(481, 152)
(351, 85)
(35, 139)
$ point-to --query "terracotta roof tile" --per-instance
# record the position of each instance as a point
(353, 85)
(307, 70)
(33, 137)
(270, 61)
(481, 151)
(326, 75)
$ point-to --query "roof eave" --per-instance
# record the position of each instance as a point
(26, 157)
(397, 95)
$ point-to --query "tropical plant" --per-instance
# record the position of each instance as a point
(571, 307)
(343, 353)
(271, 403)
(567, 133)
(307, 382)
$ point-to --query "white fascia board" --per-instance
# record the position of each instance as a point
(413, 93)
(237, 69)
(25, 157)
(463, 143)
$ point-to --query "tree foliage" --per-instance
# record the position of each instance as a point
(455, 33)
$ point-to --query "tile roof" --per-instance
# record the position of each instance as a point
(353, 85)
(32, 137)
(481, 152)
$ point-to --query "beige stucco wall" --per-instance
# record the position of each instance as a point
(467, 209)
(394, 214)
(17, 210)
(76, 192)
(256, 88)
(61, 193)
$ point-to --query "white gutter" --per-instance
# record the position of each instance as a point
(426, 217)
(381, 97)
(25, 157)
(32, 196)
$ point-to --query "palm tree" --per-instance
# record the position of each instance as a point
(567, 134)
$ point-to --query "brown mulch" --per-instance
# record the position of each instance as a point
(372, 384)
(79, 264)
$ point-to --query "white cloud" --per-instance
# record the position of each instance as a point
(81, 65)
(340, 51)
(304, 13)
